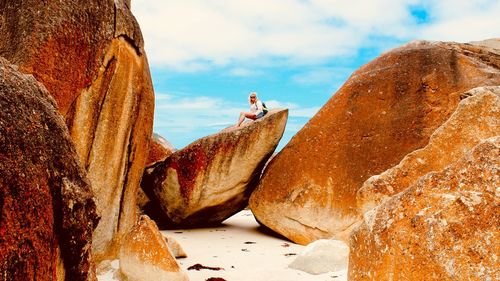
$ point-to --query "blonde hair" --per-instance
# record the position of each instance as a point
(251, 95)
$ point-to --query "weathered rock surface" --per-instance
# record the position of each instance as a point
(175, 248)
(322, 256)
(477, 118)
(145, 256)
(48, 212)
(212, 178)
(444, 227)
(90, 56)
(387, 109)
(159, 149)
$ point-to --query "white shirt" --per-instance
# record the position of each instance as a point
(256, 107)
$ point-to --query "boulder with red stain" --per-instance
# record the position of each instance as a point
(47, 208)
(477, 118)
(385, 110)
(212, 178)
(144, 255)
(444, 227)
(90, 56)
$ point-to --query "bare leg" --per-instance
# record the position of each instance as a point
(242, 118)
(247, 115)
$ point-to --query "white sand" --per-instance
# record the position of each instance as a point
(243, 250)
(227, 247)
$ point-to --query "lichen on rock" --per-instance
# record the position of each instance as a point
(48, 213)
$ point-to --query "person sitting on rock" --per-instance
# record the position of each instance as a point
(256, 109)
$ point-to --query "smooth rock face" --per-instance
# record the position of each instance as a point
(111, 127)
(175, 248)
(477, 118)
(90, 56)
(212, 178)
(48, 212)
(159, 149)
(144, 255)
(445, 227)
(387, 109)
(322, 256)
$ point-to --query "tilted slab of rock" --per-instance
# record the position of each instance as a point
(48, 212)
(212, 178)
(444, 227)
(385, 110)
(144, 255)
(476, 119)
(90, 56)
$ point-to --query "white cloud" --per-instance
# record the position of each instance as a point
(177, 114)
(194, 103)
(321, 75)
(244, 72)
(294, 109)
(251, 38)
(462, 21)
(304, 112)
(193, 35)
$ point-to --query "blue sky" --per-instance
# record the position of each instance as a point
(205, 56)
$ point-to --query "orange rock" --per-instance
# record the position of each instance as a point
(47, 209)
(159, 150)
(444, 227)
(387, 109)
(113, 147)
(212, 178)
(90, 56)
(144, 255)
(476, 119)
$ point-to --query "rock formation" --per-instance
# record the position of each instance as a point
(175, 248)
(48, 212)
(476, 119)
(212, 178)
(159, 149)
(90, 56)
(144, 255)
(444, 227)
(322, 256)
(387, 109)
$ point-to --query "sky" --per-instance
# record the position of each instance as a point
(205, 56)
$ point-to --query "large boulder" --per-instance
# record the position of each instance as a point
(144, 255)
(477, 118)
(386, 109)
(90, 56)
(212, 178)
(444, 227)
(48, 212)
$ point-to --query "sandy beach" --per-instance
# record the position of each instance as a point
(242, 250)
